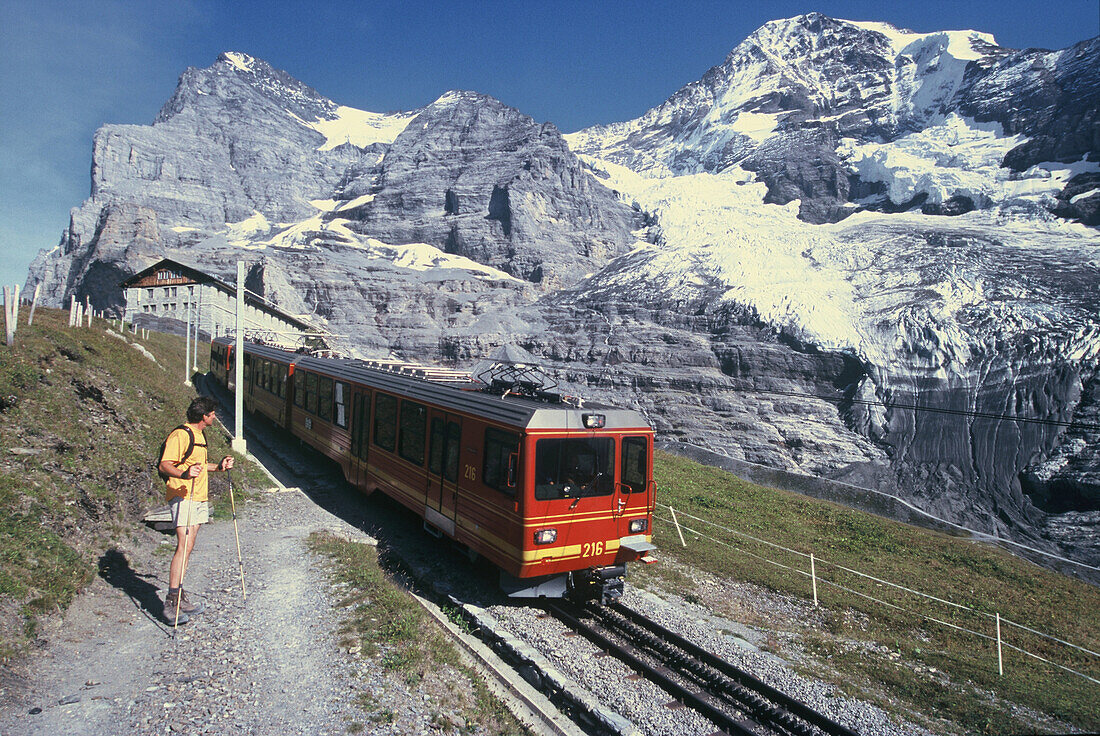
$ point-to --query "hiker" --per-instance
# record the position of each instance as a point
(184, 467)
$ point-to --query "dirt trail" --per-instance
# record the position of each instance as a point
(266, 665)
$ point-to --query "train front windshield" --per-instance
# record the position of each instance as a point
(570, 468)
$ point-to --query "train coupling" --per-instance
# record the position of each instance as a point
(603, 584)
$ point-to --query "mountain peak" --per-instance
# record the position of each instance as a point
(241, 61)
(238, 75)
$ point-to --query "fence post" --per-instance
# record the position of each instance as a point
(1000, 660)
(9, 327)
(677, 525)
(15, 307)
(813, 577)
(72, 309)
(34, 304)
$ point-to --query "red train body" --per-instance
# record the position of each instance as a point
(559, 497)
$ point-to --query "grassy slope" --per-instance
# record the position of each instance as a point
(82, 413)
(926, 666)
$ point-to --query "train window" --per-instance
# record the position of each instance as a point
(385, 421)
(324, 398)
(634, 473)
(300, 389)
(568, 468)
(414, 420)
(500, 447)
(281, 381)
(340, 397)
(265, 375)
(311, 393)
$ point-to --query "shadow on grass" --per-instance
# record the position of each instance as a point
(115, 569)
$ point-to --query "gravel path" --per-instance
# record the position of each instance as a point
(267, 665)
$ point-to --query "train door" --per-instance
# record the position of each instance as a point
(634, 491)
(249, 384)
(444, 438)
(360, 434)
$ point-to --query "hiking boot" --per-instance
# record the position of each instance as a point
(172, 606)
(188, 607)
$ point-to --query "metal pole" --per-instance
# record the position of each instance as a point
(198, 324)
(187, 348)
(813, 576)
(238, 443)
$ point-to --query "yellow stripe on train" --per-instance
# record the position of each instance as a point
(571, 551)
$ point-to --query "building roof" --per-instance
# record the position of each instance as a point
(204, 278)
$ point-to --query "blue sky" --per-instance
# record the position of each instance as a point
(67, 68)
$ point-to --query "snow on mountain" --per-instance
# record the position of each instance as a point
(359, 127)
(717, 235)
(842, 287)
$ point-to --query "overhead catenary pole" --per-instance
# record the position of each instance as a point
(238, 443)
(187, 348)
(198, 324)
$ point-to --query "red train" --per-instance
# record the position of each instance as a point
(559, 497)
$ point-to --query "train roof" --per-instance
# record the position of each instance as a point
(459, 396)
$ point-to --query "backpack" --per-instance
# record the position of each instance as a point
(186, 456)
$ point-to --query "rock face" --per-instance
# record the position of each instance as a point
(850, 250)
(481, 180)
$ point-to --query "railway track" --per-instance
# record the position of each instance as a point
(732, 699)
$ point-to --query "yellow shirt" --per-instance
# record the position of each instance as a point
(174, 450)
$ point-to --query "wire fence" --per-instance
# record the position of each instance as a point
(967, 618)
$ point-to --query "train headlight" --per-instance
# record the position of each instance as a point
(637, 526)
(546, 536)
(593, 421)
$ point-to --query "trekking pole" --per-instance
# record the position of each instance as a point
(236, 533)
(190, 501)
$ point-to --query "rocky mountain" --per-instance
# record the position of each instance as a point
(850, 250)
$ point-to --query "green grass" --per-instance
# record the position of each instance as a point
(384, 622)
(82, 415)
(934, 669)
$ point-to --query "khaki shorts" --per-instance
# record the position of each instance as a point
(189, 513)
